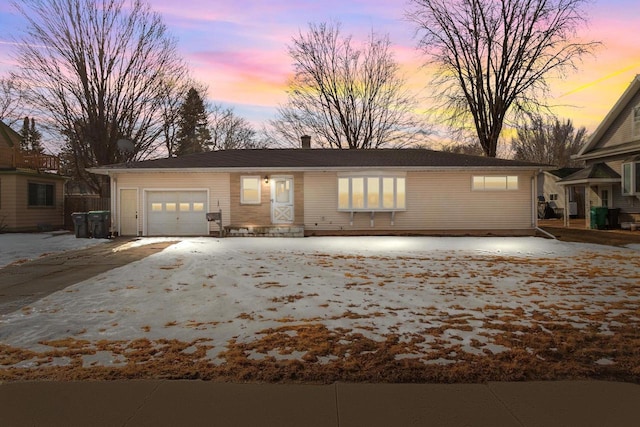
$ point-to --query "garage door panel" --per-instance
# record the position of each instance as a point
(176, 213)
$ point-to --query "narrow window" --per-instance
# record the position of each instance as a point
(636, 121)
(343, 193)
(400, 194)
(357, 193)
(250, 190)
(636, 189)
(626, 179)
(373, 193)
(388, 193)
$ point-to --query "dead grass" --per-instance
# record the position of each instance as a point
(344, 355)
(590, 329)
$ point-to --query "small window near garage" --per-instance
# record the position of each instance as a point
(170, 207)
(185, 207)
(41, 195)
(494, 183)
(553, 197)
(198, 207)
(156, 207)
(250, 190)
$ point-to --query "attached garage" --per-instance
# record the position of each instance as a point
(176, 212)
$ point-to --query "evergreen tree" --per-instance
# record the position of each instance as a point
(193, 131)
(31, 137)
(24, 133)
(35, 138)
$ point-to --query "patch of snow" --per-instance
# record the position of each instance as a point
(450, 291)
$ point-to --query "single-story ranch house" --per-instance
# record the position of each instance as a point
(296, 192)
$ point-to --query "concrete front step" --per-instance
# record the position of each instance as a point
(265, 231)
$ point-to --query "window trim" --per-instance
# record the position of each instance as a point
(634, 178)
(366, 177)
(475, 187)
(635, 121)
(46, 205)
(242, 198)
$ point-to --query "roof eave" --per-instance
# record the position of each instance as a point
(631, 90)
(110, 171)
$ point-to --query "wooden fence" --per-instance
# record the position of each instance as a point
(83, 204)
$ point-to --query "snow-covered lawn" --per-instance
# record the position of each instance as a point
(21, 247)
(341, 308)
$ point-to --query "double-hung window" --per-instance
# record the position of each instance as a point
(41, 195)
(250, 190)
(371, 193)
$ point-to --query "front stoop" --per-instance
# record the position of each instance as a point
(264, 231)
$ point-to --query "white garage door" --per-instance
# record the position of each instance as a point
(177, 213)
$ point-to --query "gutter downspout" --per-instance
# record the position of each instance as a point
(114, 196)
(534, 207)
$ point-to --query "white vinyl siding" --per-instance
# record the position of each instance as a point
(433, 201)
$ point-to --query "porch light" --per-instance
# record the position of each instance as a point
(266, 179)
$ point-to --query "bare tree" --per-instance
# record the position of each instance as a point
(549, 141)
(97, 70)
(11, 100)
(472, 149)
(496, 56)
(230, 131)
(347, 97)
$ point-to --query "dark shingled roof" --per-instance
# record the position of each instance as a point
(564, 172)
(297, 158)
(595, 171)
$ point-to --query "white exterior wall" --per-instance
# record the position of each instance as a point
(435, 201)
(217, 185)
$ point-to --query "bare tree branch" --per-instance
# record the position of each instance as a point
(97, 69)
(346, 97)
(549, 140)
(495, 57)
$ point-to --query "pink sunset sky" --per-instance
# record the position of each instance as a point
(238, 49)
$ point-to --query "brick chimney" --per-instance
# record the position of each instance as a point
(306, 141)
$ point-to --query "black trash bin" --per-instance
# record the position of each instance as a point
(80, 225)
(612, 218)
(99, 224)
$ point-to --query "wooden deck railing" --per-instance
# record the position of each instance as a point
(38, 161)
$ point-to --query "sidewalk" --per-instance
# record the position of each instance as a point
(198, 403)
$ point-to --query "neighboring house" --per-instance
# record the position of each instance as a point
(552, 193)
(318, 191)
(611, 177)
(31, 195)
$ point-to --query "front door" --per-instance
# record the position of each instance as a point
(129, 212)
(282, 200)
(605, 196)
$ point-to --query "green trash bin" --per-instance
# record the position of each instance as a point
(80, 225)
(599, 217)
(99, 224)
